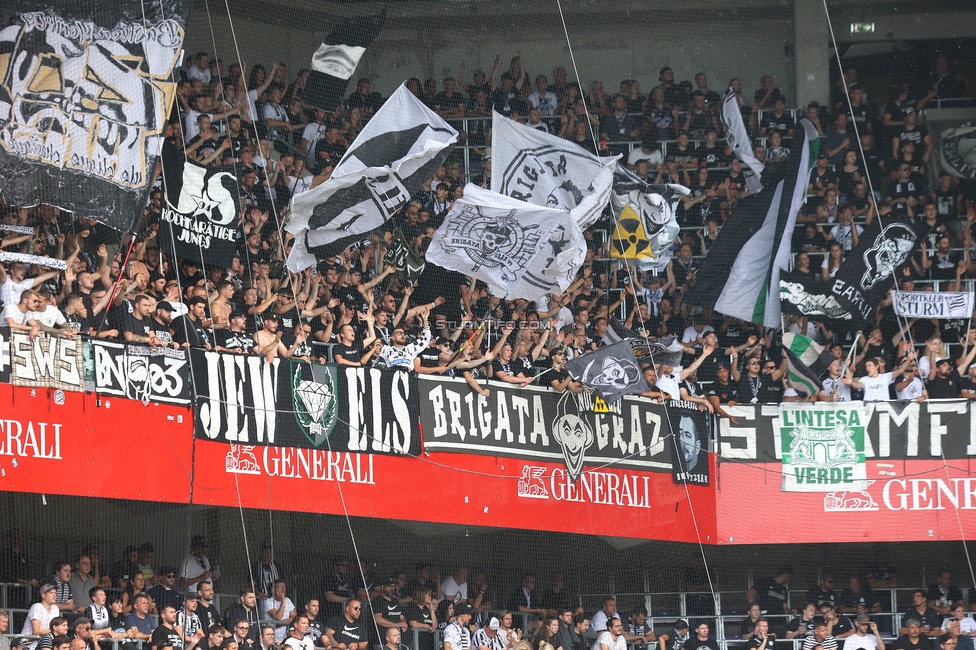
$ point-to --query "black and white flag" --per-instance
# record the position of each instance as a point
(543, 169)
(738, 139)
(200, 206)
(404, 256)
(646, 225)
(336, 59)
(85, 91)
(861, 282)
(611, 371)
(388, 162)
(519, 250)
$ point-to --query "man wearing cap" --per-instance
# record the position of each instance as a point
(865, 637)
(487, 637)
(945, 378)
(195, 566)
(677, 638)
(348, 630)
(387, 610)
(163, 593)
(187, 619)
(235, 338)
(456, 635)
(159, 325)
(613, 637)
(279, 608)
(40, 615)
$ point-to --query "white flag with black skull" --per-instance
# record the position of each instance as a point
(520, 250)
(611, 371)
(544, 169)
(399, 149)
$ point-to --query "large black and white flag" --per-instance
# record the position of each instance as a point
(611, 371)
(544, 169)
(336, 59)
(738, 139)
(741, 272)
(85, 91)
(388, 162)
(646, 226)
(518, 249)
(861, 282)
(200, 207)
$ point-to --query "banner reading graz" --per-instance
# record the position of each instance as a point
(823, 446)
(244, 399)
(46, 362)
(894, 430)
(142, 373)
(542, 424)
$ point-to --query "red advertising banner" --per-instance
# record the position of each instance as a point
(905, 500)
(454, 488)
(72, 443)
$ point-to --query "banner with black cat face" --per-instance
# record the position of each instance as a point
(243, 399)
(849, 298)
(200, 209)
(84, 102)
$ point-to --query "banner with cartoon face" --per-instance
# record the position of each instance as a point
(689, 443)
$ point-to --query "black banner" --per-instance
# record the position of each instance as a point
(142, 373)
(539, 423)
(200, 209)
(895, 431)
(84, 102)
(689, 446)
(849, 298)
(244, 399)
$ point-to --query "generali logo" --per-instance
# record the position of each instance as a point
(603, 488)
(906, 494)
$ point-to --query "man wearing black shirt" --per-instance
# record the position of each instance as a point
(166, 634)
(206, 610)
(839, 627)
(762, 639)
(235, 339)
(348, 628)
(387, 610)
(189, 330)
(137, 325)
(429, 361)
(912, 639)
(349, 352)
(823, 592)
(160, 323)
(337, 589)
(701, 640)
(929, 619)
(857, 595)
(944, 382)
(770, 593)
(942, 594)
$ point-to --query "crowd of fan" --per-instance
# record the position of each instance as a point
(369, 314)
(86, 604)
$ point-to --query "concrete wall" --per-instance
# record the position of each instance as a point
(633, 40)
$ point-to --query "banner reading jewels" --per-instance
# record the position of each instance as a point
(823, 447)
(245, 400)
(142, 373)
(931, 304)
(541, 424)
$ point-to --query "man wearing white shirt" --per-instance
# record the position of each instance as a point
(542, 99)
(648, 151)
(456, 583)
(875, 384)
(279, 608)
(14, 282)
(200, 68)
(612, 638)
(862, 639)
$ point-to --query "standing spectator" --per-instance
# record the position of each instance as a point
(768, 593)
(196, 566)
(207, 610)
(14, 282)
(943, 593)
(265, 570)
(162, 593)
(82, 582)
(522, 599)
(337, 589)
(40, 615)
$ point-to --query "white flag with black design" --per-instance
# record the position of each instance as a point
(738, 138)
(336, 59)
(611, 371)
(519, 250)
(544, 169)
(397, 151)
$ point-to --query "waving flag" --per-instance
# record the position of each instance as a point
(611, 371)
(85, 90)
(645, 220)
(807, 361)
(738, 138)
(520, 250)
(752, 247)
(337, 58)
(397, 151)
(546, 170)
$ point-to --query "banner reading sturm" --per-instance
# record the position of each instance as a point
(142, 373)
(932, 304)
(243, 399)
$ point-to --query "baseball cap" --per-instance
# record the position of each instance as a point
(18, 641)
(198, 540)
(46, 587)
(191, 595)
(863, 619)
(165, 305)
(941, 361)
(389, 580)
(681, 624)
(493, 624)
(237, 313)
(462, 608)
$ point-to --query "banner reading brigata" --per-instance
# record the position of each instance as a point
(245, 400)
(539, 423)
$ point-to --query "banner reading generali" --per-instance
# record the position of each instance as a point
(919, 479)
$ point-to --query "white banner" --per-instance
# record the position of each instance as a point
(46, 362)
(546, 170)
(520, 250)
(24, 258)
(23, 230)
(932, 304)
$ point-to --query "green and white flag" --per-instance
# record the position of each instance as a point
(807, 362)
(822, 446)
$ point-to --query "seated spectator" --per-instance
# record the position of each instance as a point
(139, 622)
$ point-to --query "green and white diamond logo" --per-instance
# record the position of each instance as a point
(315, 402)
